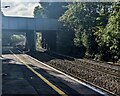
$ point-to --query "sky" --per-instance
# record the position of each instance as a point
(19, 8)
(25, 8)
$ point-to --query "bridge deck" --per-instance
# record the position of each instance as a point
(29, 24)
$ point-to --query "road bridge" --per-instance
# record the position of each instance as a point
(48, 28)
(21, 24)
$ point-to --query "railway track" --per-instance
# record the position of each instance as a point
(94, 67)
(97, 79)
(102, 76)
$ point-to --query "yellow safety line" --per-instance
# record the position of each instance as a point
(41, 77)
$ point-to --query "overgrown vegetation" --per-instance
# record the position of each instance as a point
(89, 30)
(15, 39)
(38, 40)
(108, 37)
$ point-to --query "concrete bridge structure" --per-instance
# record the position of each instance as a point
(48, 28)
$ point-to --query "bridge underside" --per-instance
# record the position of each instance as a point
(48, 38)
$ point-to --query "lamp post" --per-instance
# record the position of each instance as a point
(1, 14)
(0, 30)
(0, 50)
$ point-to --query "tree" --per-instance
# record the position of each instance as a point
(50, 9)
(84, 19)
(14, 39)
(53, 9)
(109, 36)
(80, 17)
(39, 12)
(38, 40)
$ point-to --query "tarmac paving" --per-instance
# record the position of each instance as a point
(18, 80)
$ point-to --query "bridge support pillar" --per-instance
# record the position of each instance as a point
(31, 41)
(49, 40)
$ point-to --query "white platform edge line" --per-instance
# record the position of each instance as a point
(97, 90)
(87, 85)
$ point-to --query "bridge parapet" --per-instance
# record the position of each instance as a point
(29, 24)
